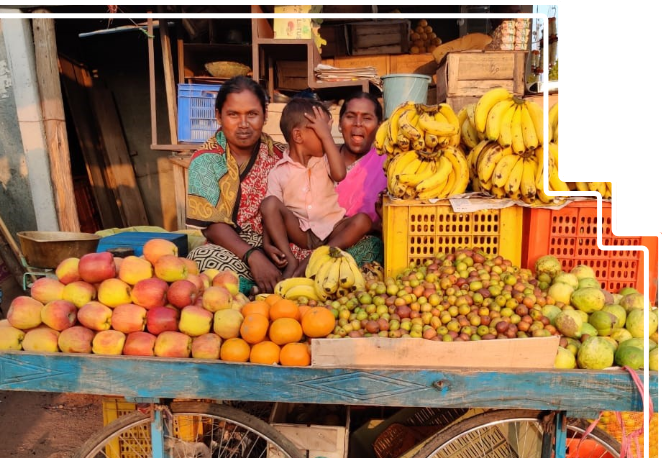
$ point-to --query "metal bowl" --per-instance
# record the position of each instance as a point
(47, 249)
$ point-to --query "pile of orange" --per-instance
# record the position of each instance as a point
(275, 330)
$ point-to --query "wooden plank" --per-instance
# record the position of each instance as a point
(77, 81)
(380, 63)
(423, 64)
(169, 80)
(553, 389)
(55, 127)
(180, 176)
(152, 78)
(120, 169)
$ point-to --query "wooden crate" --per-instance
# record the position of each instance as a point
(457, 103)
(539, 99)
(292, 75)
(379, 37)
(313, 440)
(472, 73)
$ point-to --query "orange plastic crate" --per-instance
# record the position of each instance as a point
(570, 234)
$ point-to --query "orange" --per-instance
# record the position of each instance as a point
(303, 308)
(284, 308)
(295, 354)
(254, 328)
(318, 322)
(285, 330)
(272, 298)
(235, 349)
(266, 352)
(261, 307)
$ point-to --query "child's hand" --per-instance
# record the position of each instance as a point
(321, 123)
(276, 256)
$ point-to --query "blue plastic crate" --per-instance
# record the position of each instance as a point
(196, 120)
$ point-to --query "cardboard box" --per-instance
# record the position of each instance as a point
(313, 440)
(473, 73)
(136, 240)
(533, 353)
(292, 28)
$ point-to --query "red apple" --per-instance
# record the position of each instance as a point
(149, 293)
(139, 344)
(77, 339)
(47, 289)
(217, 298)
(205, 280)
(128, 318)
(173, 344)
(109, 342)
(192, 267)
(160, 319)
(59, 314)
(181, 293)
(67, 271)
(24, 312)
(134, 269)
(196, 280)
(229, 280)
(170, 268)
(95, 315)
(195, 321)
(154, 249)
(206, 346)
(96, 267)
(79, 293)
(113, 292)
(41, 340)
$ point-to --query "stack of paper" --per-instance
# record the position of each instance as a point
(329, 73)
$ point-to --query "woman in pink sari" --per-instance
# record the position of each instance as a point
(360, 191)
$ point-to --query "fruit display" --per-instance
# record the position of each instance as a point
(423, 39)
(424, 161)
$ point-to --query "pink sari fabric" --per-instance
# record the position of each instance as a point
(358, 192)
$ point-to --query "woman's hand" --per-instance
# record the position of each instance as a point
(265, 273)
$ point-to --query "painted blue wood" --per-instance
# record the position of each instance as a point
(150, 377)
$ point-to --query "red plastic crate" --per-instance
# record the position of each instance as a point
(570, 234)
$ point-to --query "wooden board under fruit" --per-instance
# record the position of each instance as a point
(531, 353)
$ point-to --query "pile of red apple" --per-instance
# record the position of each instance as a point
(158, 304)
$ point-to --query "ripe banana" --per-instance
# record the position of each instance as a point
(395, 117)
(381, 137)
(470, 109)
(346, 276)
(505, 137)
(529, 135)
(407, 127)
(487, 161)
(495, 118)
(528, 186)
(430, 141)
(517, 133)
(358, 282)
(287, 284)
(298, 291)
(473, 155)
(431, 125)
(402, 161)
(582, 186)
(316, 260)
(485, 103)
(435, 192)
(322, 277)
(447, 112)
(554, 180)
(553, 120)
(459, 172)
(537, 116)
(331, 281)
(513, 185)
(443, 168)
(469, 135)
(504, 167)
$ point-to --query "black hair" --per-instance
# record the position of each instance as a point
(378, 108)
(293, 114)
(240, 84)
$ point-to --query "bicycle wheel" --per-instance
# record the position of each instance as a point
(512, 434)
(196, 429)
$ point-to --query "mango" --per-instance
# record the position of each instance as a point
(587, 299)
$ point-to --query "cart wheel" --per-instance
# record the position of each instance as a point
(196, 429)
(513, 433)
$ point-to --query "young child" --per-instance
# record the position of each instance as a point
(302, 206)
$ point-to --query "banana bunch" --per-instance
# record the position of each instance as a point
(499, 116)
(504, 173)
(411, 176)
(296, 287)
(553, 123)
(333, 272)
(425, 129)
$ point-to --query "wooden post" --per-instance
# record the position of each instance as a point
(169, 78)
(55, 128)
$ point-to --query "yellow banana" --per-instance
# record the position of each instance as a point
(504, 168)
(528, 133)
(459, 170)
(346, 276)
(505, 137)
(444, 141)
(316, 259)
(418, 144)
(537, 116)
(517, 135)
(472, 157)
(331, 282)
(396, 116)
(402, 161)
(609, 189)
(431, 125)
(554, 180)
(285, 285)
(446, 111)
(297, 291)
(406, 126)
(426, 169)
(553, 152)
(470, 109)
(403, 143)
(486, 163)
(553, 120)
(462, 116)
(554, 139)
(435, 192)
(443, 168)
(468, 134)
(498, 192)
(321, 278)
(430, 141)
(381, 137)
(513, 185)
(485, 103)
(528, 186)
(358, 283)
(582, 186)
(593, 185)
(495, 118)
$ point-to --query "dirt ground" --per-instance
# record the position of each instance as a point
(46, 425)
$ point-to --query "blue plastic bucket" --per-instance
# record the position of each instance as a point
(404, 87)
